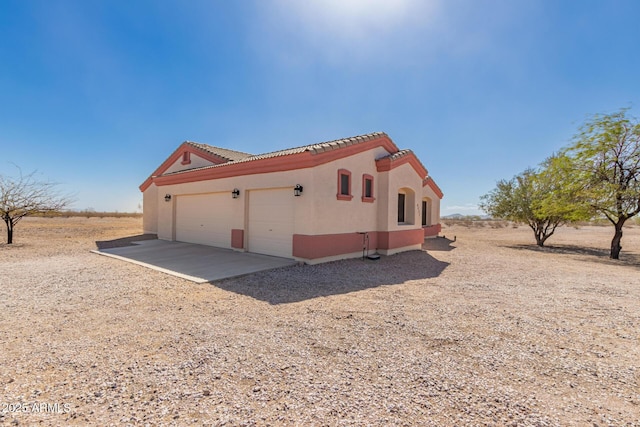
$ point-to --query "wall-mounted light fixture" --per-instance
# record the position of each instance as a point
(167, 198)
(235, 193)
(297, 190)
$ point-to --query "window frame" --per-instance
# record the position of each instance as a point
(370, 198)
(340, 195)
(402, 208)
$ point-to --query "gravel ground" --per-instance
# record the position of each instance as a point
(486, 330)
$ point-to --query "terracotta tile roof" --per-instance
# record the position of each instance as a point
(313, 148)
(229, 155)
(323, 146)
(398, 155)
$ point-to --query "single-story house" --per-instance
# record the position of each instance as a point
(315, 203)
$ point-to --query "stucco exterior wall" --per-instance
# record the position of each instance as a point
(404, 178)
(303, 213)
(325, 226)
(345, 216)
(165, 228)
(427, 192)
(196, 162)
(150, 210)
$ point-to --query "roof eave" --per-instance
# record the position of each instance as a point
(278, 163)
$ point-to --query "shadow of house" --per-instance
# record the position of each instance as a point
(438, 244)
(582, 253)
(340, 277)
(123, 241)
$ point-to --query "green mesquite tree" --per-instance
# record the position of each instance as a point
(602, 165)
(533, 197)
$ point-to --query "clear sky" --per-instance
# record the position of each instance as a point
(96, 94)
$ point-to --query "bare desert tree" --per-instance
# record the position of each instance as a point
(24, 196)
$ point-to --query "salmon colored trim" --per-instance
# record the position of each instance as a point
(177, 155)
(146, 184)
(366, 199)
(432, 230)
(400, 238)
(289, 162)
(386, 164)
(339, 195)
(432, 184)
(186, 158)
(237, 238)
(326, 245)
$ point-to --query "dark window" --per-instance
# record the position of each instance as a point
(424, 213)
(344, 185)
(368, 188)
(401, 199)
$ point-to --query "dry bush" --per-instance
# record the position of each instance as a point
(498, 224)
(94, 214)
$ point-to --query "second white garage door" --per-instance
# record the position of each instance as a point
(271, 216)
(204, 219)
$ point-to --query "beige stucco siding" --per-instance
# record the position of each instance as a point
(287, 179)
(196, 162)
(383, 214)
(427, 192)
(404, 178)
(333, 216)
(323, 225)
(150, 210)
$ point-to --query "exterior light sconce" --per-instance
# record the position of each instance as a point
(235, 193)
(297, 190)
(167, 198)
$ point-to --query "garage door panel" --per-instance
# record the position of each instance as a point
(204, 219)
(271, 222)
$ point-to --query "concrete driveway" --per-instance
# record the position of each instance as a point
(198, 263)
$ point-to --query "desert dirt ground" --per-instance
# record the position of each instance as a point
(485, 330)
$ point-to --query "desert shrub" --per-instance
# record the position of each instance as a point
(497, 223)
(91, 214)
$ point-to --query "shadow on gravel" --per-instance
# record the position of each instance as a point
(124, 241)
(584, 254)
(303, 282)
(438, 244)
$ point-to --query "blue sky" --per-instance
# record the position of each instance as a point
(96, 94)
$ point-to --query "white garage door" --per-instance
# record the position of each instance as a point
(271, 222)
(204, 219)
